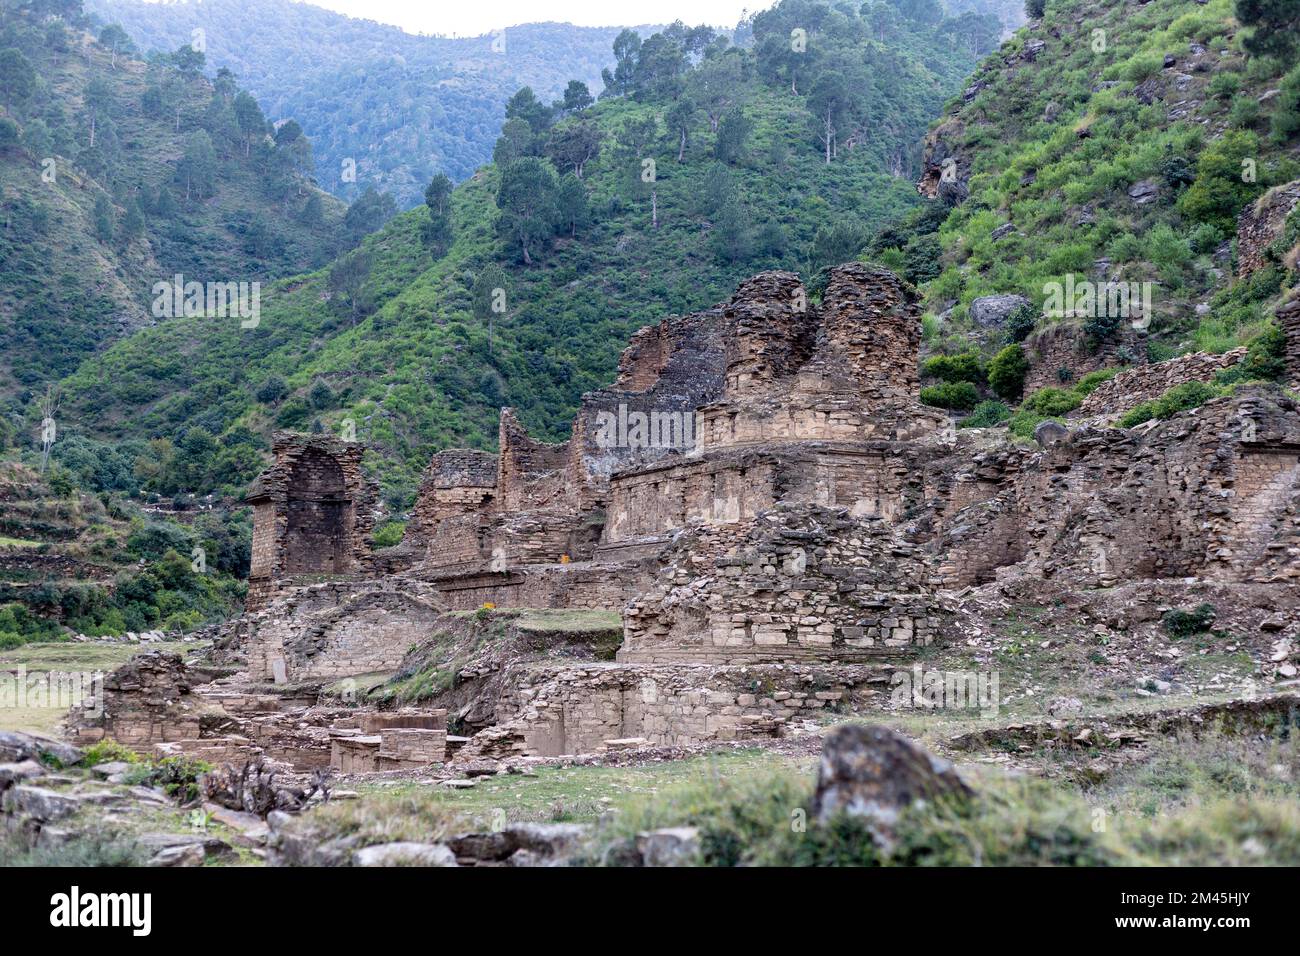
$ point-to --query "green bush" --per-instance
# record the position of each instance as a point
(1052, 401)
(178, 777)
(955, 395)
(1219, 193)
(1180, 398)
(1285, 121)
(1088, 384)
(1179, 623)
(388, 534)
(107, 751)
(986, 415)
(1020, 323)
(1023, 423)
(1007, 372)
(965, 367)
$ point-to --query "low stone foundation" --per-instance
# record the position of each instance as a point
(595, 707)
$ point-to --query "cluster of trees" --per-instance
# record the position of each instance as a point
(541, 193)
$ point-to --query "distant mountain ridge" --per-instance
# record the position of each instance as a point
(401, 107)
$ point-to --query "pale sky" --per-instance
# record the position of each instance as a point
(474, 17)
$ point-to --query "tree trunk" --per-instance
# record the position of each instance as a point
(654, 208)
(681, 150)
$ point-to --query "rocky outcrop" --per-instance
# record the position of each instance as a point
(992, 311)
(946, 171)
(876, 774)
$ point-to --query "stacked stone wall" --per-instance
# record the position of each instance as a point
(1147, 382)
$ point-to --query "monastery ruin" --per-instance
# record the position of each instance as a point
(765, 501)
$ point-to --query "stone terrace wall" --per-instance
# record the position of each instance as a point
(336, 629)
(1146, 382)
(555, 586)
(1288, 316)
(146, 701)
(1212, 492)
(736, 484)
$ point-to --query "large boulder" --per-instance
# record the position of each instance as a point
(991, 311)
(875, 773)
(15, 747)
(405, 854)
(1048, 433)
(38, 803)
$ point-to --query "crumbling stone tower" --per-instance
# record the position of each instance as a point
(313, 512)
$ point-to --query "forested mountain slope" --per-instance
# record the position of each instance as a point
(1118, 141)
(701, 164)
(116, 174)
(401, 107)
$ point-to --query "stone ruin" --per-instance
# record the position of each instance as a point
(313, 512)
(766, 501)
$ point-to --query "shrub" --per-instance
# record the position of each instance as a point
(107, 751)
(388, 534)
(1088, 383)
(1179, 623)
(177, 776)
(955, 395)
(955, 368)
(1007, 372)
(1219, 193)
(1285, 121)
(1180, 398)
(1052, 401)
(98, 848)
(1023, 423)
(1020, 323)
(986, 415)
(1205, 238)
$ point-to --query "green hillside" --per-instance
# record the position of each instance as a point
(399, 338)
(1120, 140)
(116, 174)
